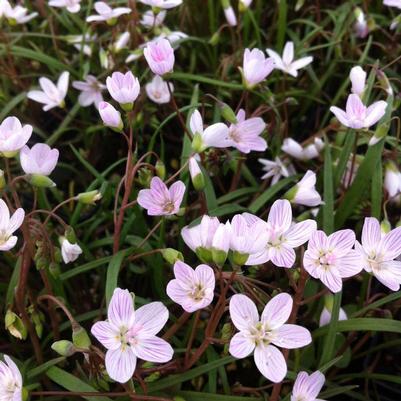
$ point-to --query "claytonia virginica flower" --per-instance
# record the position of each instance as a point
(106, 13)
(216, 135)
(304, 192)
(229, 13)
(160, 56)
(157, 90)
(245, 134)
(123, 88)
(263, 335)
(121, 42)
(331, 258)
(163, 4)
(357, 115)
(40, 159)
(287, 63)
(379, 251)
(128, 334)
(13, 136)
(392, 179)
(357, 77)
(70, 252)
(325, 316)
(110, 116)
(283, 236)
(73, 6)
(91, 91)
(51, 95)
(392, 3)
(160, 200)
(18, 14)
(150, 19)
(10, 380)
(276, 169)
(8, 225)
(256, 67)
(361, 26)
(294, 149)
(192, 289)
(307, 387)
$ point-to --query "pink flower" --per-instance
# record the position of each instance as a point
(283, 236)
(160, 201)
(262, 335)
(256, 67)
(294, 149)
(331, 258)
(357, 115)
(245, 134)
(361, 26)
(230, 15)
(286, 63)
(307, 387)
(378, 253)
(304, 192)
(106, 13)
(276, 169)
(150, 19)
(73, 6)
(325, 316)
(160, 56)
(157, 90)
(357, 77)
(129, 334)
(70, 252)
(110, 116)
(10, 380)
(91, 91)
(192, 289)
(13, 136)
(123, 88)
(8, 225)
(392, 179)
(41, 159)
(392, 3)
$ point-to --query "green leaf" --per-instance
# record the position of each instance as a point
(44, 367)
(194, 396)
(12, 285)
(328, 207)
(112, 274)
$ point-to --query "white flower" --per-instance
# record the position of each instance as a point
(287, 63)
(121, 42)
(157, 90)
(392, 179)
(82, 42)
(17, 14)
(358, 80)
(106, 13)
(8, 225)
(305, 191)
(51, 95)
(73, 6)
(164, 4)
(13, 136)
(10, 380)
(151, 20)
(276, 169)
(325, 316)
(294, 149)
(91, 91)
(70, 252)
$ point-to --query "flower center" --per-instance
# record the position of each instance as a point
(261, 334)
(4, 236)
(235, 135)
(169, 207)
(327, 260)
(197, 292)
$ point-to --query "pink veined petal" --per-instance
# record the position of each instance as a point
(391, 244)
(309, 263)
(282, 256)
(350, 264)
(38, 96)
(389, 274)
(107, 334)
(341, 242)
(354, 107)
(48, 86)
(145, 199)
(121, 309)
(300, 388)
(277, 311)
(10, 243)
(270, 362)
(251, 218)
(205, 275)
(120, 364)
(371, 234)
(15, 371)
(159, 190)
(196, 123)
(288, 53)
(292, 336)
(153, 349)
(216, 136)
(280, 215)
(62, 83)
(184, 274)
(151, 318)
(318, 241)
(331, 279)
(293, 148)
(4, 216)
(375, 112)
(241, 345)
(243, 312)
(341, 115)
(302, 62)
(300, 233)
(179, 295)
(258, 258)
(315, 384)
(177, 191)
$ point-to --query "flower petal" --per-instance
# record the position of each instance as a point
(280, 215)
(341, 242)
(292, 336)
(270, 362)
(153, 349)
(151, 318)
(243, 312)
(107, 334)
(121, 309)
(241, 345)
(277, 310)
(120, 364)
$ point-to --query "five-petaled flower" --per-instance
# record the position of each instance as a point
(307, 387)
(13, 136)
(263, 335)
(256, 67)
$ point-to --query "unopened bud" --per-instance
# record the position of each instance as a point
(80, 337)
(160, 168)
(70, 235)
(90, 197)
(2, 180)
(228, 113)
(214, 40)
(63, 347)
(171, 255)
(15, 326)
(41, 181)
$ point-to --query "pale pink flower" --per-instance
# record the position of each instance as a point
(276, 169)
(256, 67)
(229, 13)
(13, 136)
(215, 135)
(163, 4)
(91, 91)
(245, 135)
(121, 42)
(195, 172)
(51, 95)
(361, 26)
(221, 244)
(8, 225)
(392, 179)
(151, 20)
(41, 159)
(160, 56)
(331, 258)
(304, 192)
(295, 149)
(192, 289)
(123, 88)
(379, 251)
(106, 13)
(157, 90)
(110, 116)
(70, 252)
(307, 387)
(17, 14)
(128, 334)
(325, 316)
(160, 200)
(73, 6)
(357, 115)
(392, 3)
(283, 236)
(357, 77)
(286, 63)
(10, 380)
(262, 335)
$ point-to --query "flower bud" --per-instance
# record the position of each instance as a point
(41, 181)
(214, 40)
(70, 235)
(228, 113)
(197, 143)
(15, 326)
(239, 259)
(80, 337)
(381, 132)
(205, 255)
(63, 347)
(171, 255)
(2, 180)
(54, 269)
(220, 245)
(110, 116)
(197, 178)
(90, 197)
(358, 80)
(160, 168)
(385, 226)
